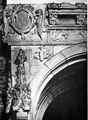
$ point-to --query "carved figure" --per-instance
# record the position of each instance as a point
(19, 95)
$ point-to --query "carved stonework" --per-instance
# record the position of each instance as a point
(42, 54)
(66, 5)
(67, 36)
(26, 24)
(81, 19)
(66, 14)
(19, 94)
(20, 20)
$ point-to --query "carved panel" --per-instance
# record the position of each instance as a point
(19, 92)
(22, 19)
(66, 15)
(67, 36)
(43, 53)
(22, 22)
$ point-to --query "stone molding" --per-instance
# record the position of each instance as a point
(65, 5)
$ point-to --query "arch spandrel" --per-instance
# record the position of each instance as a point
(46, 98)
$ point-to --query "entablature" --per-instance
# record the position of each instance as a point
(34, 24)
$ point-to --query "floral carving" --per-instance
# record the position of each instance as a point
(19, 95)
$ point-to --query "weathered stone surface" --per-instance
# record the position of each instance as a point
(18, 29)
(42, 36)
(67, 36)
(43, 23)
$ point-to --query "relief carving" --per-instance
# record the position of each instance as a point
(68, 36)
(66, 5)
(81, 19)
(19, 95)
(42, 54)
(21, 19)
(58, 14)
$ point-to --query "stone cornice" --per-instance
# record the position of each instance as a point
(65, 5)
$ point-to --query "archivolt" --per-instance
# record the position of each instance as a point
(41, 101)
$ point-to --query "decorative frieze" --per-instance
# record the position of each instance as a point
(67, 36)
(66, 5)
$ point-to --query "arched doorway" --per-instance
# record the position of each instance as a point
(65, 94)
(70, 104)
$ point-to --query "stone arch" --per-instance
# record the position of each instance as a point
(57, 63)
